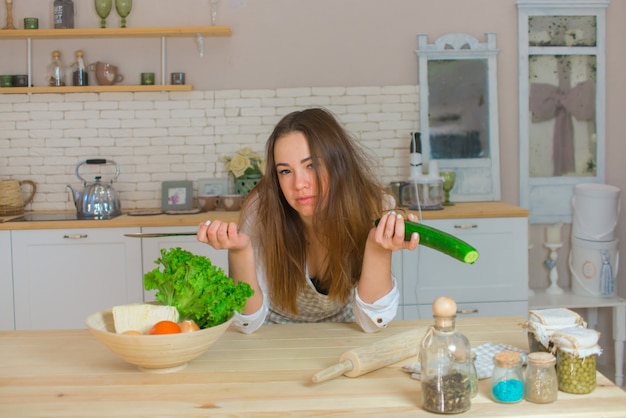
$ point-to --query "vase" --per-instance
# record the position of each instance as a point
(244, 184)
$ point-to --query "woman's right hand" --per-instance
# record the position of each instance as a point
(223, 235)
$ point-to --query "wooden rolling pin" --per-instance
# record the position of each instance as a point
(361, 360)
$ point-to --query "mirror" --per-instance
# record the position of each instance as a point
(459, 112)
(561, 105)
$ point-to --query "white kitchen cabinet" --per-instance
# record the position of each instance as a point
(61, 276)
(151, 249)
(496, 284)
(7, 319)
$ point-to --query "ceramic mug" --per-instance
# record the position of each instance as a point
(230, 202)
(106, 74)
(208, 202)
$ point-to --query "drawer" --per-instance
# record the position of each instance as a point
(519, 308)
(499, 275)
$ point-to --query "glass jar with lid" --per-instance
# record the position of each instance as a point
(540, 383)
(542, 323)
(445, 359)
(507, 380)
(576, 354)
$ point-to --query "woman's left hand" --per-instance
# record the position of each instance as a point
(389, 233)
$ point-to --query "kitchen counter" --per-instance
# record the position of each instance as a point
(459, 210)
(68, 373)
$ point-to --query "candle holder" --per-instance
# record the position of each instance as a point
(550, 263)
(9, 5)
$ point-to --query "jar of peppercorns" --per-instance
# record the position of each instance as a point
(577, 350)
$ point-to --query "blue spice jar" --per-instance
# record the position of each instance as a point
(507, 380)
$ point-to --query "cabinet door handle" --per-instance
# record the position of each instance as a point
(466, 226)
(75, 236)
(467, 311)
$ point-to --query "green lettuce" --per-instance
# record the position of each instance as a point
(198, 289)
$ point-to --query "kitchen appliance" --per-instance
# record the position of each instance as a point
(422, 193)
(98, 200)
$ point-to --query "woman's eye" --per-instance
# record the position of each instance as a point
(284, 172)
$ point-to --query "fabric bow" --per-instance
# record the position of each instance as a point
(561, 103)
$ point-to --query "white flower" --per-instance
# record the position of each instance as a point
(245, 162)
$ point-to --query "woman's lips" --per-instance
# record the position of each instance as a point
(304, 200)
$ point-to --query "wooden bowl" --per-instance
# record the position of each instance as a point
(164, 353)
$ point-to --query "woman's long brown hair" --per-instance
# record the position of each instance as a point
(342, 220)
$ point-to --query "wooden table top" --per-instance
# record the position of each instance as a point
(459, 210)
(68, 373)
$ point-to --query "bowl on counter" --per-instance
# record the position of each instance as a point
(164, 353)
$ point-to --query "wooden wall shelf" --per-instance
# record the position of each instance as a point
(96, 89)
(96, 33)
(187, 31)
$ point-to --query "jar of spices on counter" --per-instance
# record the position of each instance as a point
(507, 380)
(445, 362)
(577, 350)
(541, 384)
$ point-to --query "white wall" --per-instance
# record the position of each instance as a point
(179, 136)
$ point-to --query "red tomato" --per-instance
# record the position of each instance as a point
(165, 327)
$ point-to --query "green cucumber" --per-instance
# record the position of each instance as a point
(440, 241)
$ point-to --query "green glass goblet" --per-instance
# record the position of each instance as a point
(123, 8)
(103, 9)
(449, 177)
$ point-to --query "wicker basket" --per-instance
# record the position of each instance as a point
(12, 198)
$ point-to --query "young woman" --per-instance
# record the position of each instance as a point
(306, 241)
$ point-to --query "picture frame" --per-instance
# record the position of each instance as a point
(177, 195)
(217, 186)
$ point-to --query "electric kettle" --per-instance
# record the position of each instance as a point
(98, 200)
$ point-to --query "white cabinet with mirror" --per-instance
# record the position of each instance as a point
(458, 101)
(561, 102)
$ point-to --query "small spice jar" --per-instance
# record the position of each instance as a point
(576, 354)
(541, 384)
(507, 380)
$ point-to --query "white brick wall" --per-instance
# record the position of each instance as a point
(179, 136)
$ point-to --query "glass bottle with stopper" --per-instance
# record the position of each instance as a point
(80, 76)
(56, 71)
(445, 362)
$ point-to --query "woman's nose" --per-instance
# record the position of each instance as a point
(302, 179)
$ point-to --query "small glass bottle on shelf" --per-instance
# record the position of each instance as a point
(541, 384)
(80, 76)
(63, 11)
(56, 71)
(445, 360)
(507, 380)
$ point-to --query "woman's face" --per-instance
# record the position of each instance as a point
(296, 173)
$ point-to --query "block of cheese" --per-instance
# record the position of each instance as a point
(141, 316)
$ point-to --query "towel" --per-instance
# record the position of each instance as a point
(484, 359)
